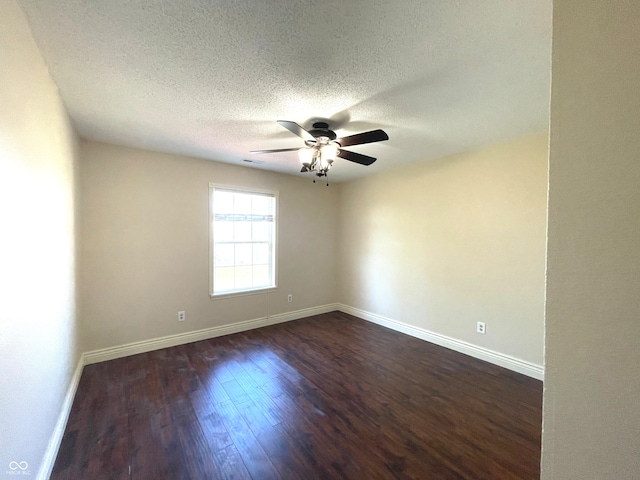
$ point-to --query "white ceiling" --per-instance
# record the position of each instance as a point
(209, 78)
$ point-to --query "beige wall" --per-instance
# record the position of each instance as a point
(145, 235)
(38, 334)
(441, 245)
(592, 389)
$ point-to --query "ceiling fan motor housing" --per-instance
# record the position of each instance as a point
(321, 129)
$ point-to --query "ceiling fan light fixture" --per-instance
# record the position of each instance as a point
(319, 157)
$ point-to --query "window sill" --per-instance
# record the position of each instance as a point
(244, 293)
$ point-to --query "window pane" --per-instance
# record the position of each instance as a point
(260, 253)
(261, 205)
(242, 203)
(243, 254)
(222, 202)
(223, 231)
(242, 232)
(261, 277)
(223, 255)
(223, 280)
(260, 231)
(243, 277)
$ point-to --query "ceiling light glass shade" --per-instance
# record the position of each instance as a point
(305, 155)
(328, 154)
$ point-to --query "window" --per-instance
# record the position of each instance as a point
(243, 246)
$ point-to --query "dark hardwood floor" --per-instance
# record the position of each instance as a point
(330, 396)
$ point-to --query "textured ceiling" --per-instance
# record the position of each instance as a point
(209, 78)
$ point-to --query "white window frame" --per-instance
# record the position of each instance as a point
(249, 291)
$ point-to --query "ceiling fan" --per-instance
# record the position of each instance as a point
(322, 147)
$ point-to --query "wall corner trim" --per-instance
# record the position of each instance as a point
(481, 353)
(49, 459)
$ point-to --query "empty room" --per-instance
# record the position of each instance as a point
(300, 240)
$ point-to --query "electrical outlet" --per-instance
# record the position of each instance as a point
(181, 316)
(289, 298)
(481, 328)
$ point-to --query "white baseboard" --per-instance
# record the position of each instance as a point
(500, 359)
(305, 312)
(49, 459)
(143, 346)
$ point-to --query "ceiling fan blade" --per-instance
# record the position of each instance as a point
(277, 150)
(296, 129)
(361, 138)
(356, 157)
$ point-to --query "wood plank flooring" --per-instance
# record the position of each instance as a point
(330, 396)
